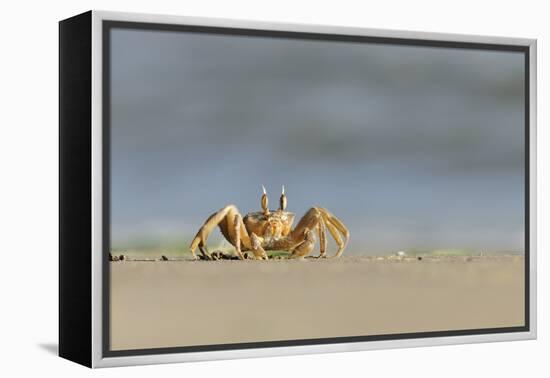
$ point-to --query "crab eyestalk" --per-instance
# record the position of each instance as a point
(282, 200)
(265, 202)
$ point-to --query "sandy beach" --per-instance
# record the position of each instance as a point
(183, 303)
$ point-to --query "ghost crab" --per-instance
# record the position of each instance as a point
(270, 230)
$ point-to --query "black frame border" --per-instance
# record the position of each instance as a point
(75, 189)
(108, 25)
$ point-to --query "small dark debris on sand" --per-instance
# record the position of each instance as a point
(116, 258)
(219, 255)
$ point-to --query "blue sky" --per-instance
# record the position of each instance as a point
(412, 147)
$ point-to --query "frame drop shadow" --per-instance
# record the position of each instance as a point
(52, 348)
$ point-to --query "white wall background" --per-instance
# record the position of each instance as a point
(28, 200)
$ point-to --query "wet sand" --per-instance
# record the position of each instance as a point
(183, 303)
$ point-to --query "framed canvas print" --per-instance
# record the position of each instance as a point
(235, 189)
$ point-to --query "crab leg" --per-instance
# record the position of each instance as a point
(308, 222)
(321, 231)
(230, 222)
(304, 248)
(319, 218)
(238, 225)
(335, 226)
(312, 220)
